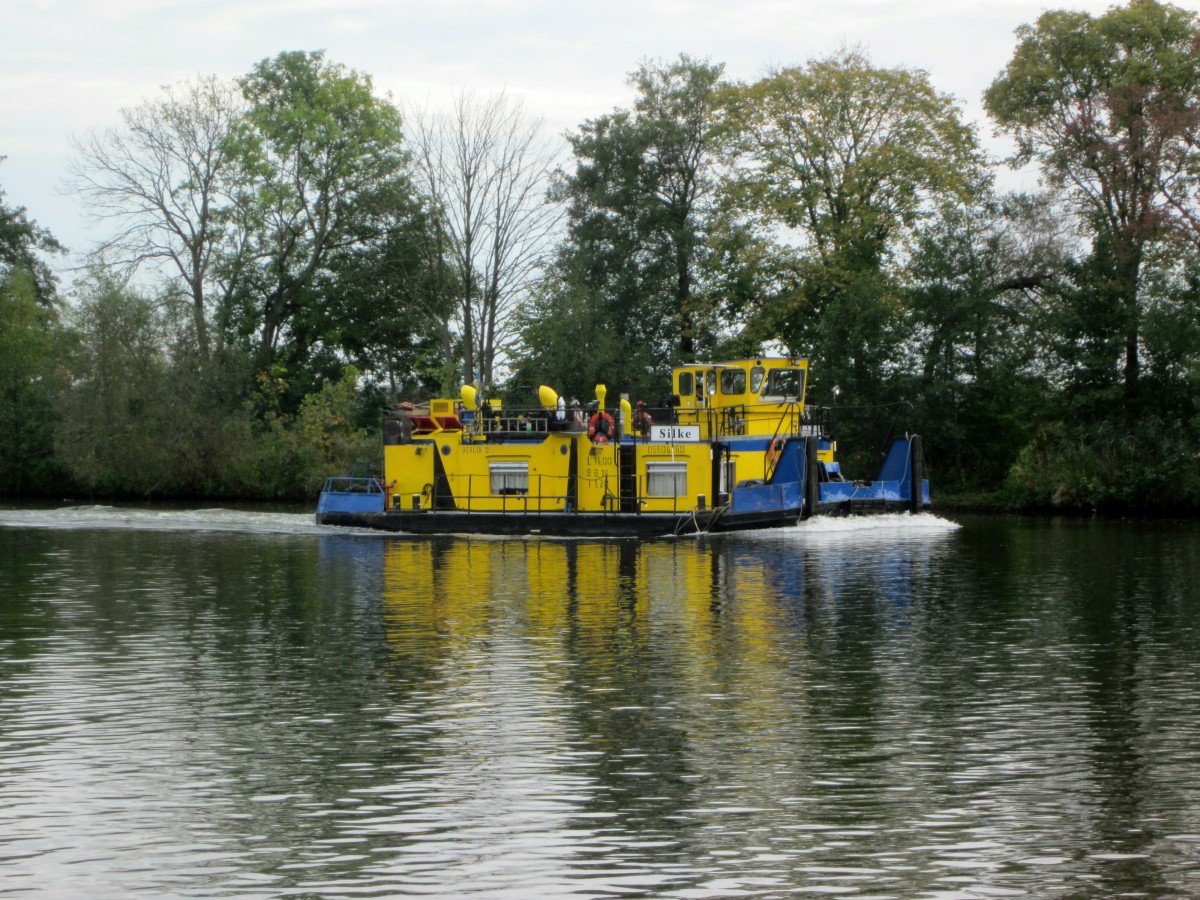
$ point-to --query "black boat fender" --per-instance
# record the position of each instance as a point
(812, 476)
(916, 457)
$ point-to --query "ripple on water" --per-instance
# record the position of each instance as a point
(216, 712)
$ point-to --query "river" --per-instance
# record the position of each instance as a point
(213, 703)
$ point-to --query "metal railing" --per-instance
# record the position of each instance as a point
(515, 500)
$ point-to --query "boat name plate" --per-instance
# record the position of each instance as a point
(677, 434)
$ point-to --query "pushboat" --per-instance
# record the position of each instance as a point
(733, 447)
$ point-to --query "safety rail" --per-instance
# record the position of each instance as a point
(741, 420)
(511, 422)
(522, 500)
(353, 484)
(516, 422)
(720, 421)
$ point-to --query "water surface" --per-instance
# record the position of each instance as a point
(219, 704)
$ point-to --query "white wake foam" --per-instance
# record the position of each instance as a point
(112, 517)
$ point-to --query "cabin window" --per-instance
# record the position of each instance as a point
(685, 384)
(786, 384)
(733, 381)
(757, 374)
(711, 382)
(509, 477)
(666, 479)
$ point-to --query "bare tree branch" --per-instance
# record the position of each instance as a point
(160, 181)
(485, 167)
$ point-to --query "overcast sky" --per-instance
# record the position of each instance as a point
(69, 66)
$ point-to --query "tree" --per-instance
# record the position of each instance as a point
(31, 343)
(385, 306)
(676, 117)
(162, 180)
(21, 242)
(843, 160)
(1170, 335)
(570, 344)
(318, 151)
(1107, 106)
(484, 168)
(110, 436)
(978, 287)
(640, 219)
(30, 382)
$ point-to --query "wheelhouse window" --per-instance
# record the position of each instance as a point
(509, 477)
(666, 479)
(685, 384)
(733, 381)
(757, 374)
(785, 384)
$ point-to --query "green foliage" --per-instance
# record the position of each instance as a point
(1100, 468)
(1083, 95)
(31, 345)
(1109, 108)
(141, 421)
(639, 214)
(325, 427)
(842, 160)
(578, 349)
(289, 457)
(974, 282)
(30, 378)
(22, 246)
(320, 159)
(380, 303)
(1171, 337)
(109, 438)
(850, 154)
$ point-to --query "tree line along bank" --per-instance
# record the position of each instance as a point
(293, 252)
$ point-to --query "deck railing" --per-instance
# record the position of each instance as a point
(540, 499)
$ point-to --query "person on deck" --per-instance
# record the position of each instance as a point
(642, 421)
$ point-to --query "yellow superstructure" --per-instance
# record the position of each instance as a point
(724, 425)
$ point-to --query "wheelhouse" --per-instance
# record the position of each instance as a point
(741, 397)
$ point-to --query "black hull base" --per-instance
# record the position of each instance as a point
(559, 524)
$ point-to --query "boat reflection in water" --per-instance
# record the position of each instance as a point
(841, 707)
(615, 703)
(450, 589)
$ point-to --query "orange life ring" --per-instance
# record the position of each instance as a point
(606, 432)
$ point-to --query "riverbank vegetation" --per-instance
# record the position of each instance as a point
(286, 255)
